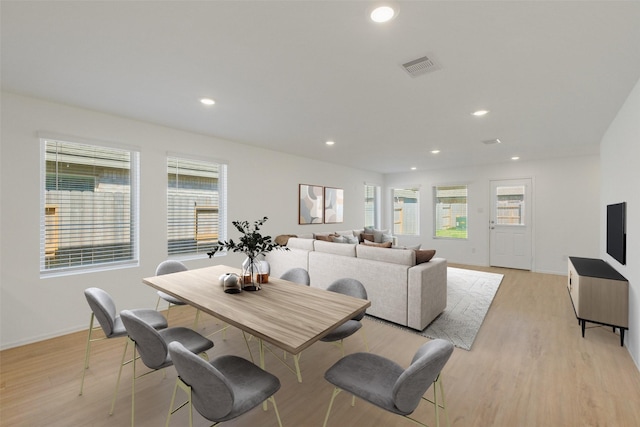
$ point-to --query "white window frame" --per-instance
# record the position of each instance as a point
(196, 244)
(60, 253)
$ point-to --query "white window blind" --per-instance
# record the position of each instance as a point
(371, 206)
(195, 205)
(450, 215)
(89, 196)
(406, 211)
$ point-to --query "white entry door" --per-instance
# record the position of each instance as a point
(511, 223)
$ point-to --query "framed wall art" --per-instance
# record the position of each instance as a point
(333, 205)
(310, 204)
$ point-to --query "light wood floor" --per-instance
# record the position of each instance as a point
(529, 366)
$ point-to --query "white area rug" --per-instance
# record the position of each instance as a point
(469, 296)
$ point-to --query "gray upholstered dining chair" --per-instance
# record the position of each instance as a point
(152, 345)
(222, 389)
(297, 275)
(354, 288)
(103, 308)
(167, 267)
(385, 384)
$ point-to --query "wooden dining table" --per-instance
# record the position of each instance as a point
(284, 314)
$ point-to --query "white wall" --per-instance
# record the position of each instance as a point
(620, 160)
(567, 206)
(566, 211)
(261, 182)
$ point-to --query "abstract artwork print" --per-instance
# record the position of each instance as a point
(333, 205)
(311, 204)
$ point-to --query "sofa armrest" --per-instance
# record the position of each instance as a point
(281, 261)
(427, 292)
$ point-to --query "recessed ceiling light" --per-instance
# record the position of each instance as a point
(413, 168)
(480, 113)
(207, 101)
(330, 142)
(382, 14)
(515, 158)
(435, 151)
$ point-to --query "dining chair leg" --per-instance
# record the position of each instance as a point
(173, 401)
(444, 405)
(435, 402)
(133, 387)
(437, 385)
(87, 353)
(336, 391)
(187, 390)
(275, 409)
(122, 363)
(168, 310)
(364, 338)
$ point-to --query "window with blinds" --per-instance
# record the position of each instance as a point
(371, 206)
(450, 204)
(89, 206)
(195, 205)
(406, 211)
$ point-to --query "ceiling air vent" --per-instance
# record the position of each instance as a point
(491, 141)
(420, 66)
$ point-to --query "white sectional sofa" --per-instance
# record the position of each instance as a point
(399, 290)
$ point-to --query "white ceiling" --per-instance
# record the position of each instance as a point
(289, 75)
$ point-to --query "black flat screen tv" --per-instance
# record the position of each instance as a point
(617, 232)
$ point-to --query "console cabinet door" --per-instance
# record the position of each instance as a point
(574, 288)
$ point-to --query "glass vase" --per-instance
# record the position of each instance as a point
(250, 273)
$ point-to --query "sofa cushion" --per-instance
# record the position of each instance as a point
(424, 255)
(412, 247)
(399, 256)
(344, 249)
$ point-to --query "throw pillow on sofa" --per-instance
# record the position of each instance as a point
(424, 255)
(325, 237)
(379, 245)
(377, 234)
(366, 236)
(283, 239)
(351, 239)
